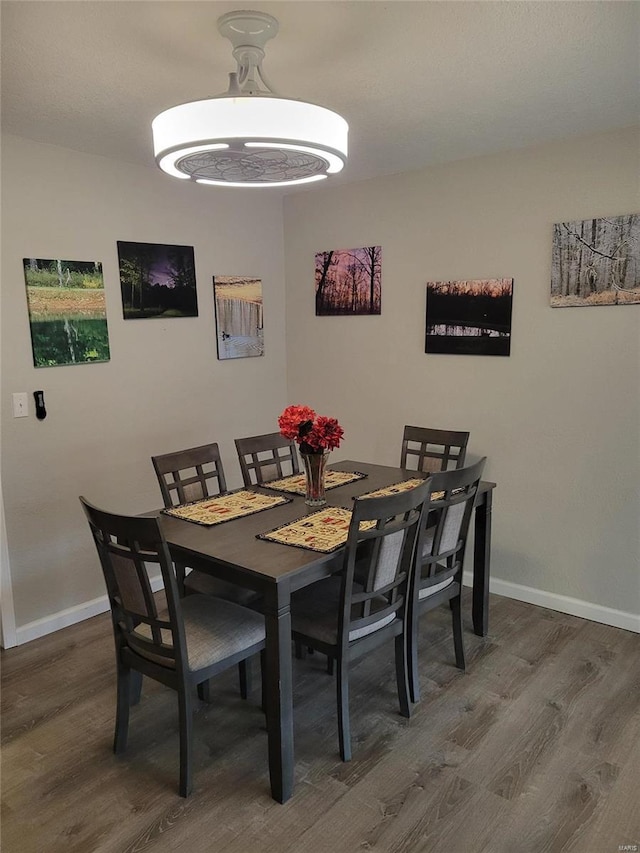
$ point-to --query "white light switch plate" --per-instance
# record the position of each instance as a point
(20, 405)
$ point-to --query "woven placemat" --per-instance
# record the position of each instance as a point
(210, 511)
(394, 488)
(296, 484)
(403, 486)
(323, 531)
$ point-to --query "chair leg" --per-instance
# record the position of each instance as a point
(244, 674)
(122, 708)
(204, 691)
(412, 659)
(402, 676)
(300, 651)
(180, 576)
(458, 642)
(185, 715)
(136, 686)
(344, 725)
(329, 664)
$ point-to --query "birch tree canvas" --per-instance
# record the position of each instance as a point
(348, 281)
(238, 306)
(596, 262)
(67, 311)
(469, 317)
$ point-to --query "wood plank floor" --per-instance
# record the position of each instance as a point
(535, 749)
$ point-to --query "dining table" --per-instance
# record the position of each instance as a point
(231, 551)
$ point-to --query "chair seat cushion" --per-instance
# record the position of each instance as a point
(314, 612)
(205, 584)
(214, 629)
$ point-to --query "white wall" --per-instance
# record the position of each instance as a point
(559, 420)
(163, 389)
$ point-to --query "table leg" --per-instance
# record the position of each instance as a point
(279, 694)
(481, 564)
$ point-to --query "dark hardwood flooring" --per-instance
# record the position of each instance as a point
(536, 749)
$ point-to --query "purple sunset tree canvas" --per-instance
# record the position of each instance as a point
(157, 280)
(349, 281)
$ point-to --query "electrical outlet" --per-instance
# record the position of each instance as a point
(20, 405)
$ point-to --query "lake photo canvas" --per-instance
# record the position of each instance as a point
(238, 306)
(469, 317)
(67, 311)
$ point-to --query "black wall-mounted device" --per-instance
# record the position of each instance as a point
(41, 412)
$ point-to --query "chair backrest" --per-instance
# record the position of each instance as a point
(386, 555)
(266, 457)
(453, 495)
(126, 545)
(433, 450)
(189, 475)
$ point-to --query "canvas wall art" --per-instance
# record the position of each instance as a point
(157, 280)
(349, 281)
(596, 262)
(67, 311)
(469, 317)
(238, 306)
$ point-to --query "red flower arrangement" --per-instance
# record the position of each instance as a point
(313, 433)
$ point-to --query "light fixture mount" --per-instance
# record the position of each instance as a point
(249, 136)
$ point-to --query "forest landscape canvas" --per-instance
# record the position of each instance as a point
(348, 281)
(239, 324)
(469, 317)
(67, 311)
(157, 280)
(596, 262)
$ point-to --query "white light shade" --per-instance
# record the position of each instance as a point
(288, 141)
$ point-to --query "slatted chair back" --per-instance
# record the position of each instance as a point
(266, 457)
(453, 495)
(127, 546)
(386, 556)
(433, 450)
(190, 475)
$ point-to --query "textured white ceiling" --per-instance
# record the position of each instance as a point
(419, 82)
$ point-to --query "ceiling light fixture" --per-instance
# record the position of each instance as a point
(249, 136)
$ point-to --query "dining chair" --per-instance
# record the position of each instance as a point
(432, 450)
(191, 475)
(345, 619)
(266, 457)
(194, 639)
(439, 575)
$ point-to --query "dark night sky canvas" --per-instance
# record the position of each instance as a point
(157, 280)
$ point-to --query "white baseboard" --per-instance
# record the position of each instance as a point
(562, 603)
(70, 616)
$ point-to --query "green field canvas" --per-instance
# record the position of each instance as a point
(67, 312)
